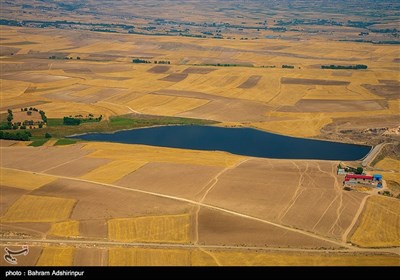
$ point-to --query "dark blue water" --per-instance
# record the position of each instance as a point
(241, 141)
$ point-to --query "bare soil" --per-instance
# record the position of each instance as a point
(159, 69)
(299, 81)
(316, 105)
(182, 180)
(175, 77)
(250, 82)
(225, 229)
(100, 202)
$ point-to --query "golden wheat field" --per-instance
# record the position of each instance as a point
(379, 224)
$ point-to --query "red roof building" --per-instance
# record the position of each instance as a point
(358, 177)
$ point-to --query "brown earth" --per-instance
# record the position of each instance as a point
(92, 204)
(159, 69)
(181, 180)
(93, 228)
(251, 82)
(8, 197)
(388, 89)
(90, 257)
(175, 77)
(223, 229)
(41, 158)
(288, 192)
(315, 105)
(299, 81)
(78, 167)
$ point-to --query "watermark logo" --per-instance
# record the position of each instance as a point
(9, 255)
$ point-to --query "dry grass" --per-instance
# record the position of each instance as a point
(113, 171)
(158, 154)
(388, 164)
(379, 224)
(56, 256)
(165, 105)
(30, 208)
(171, 228)
(65, 229)
(310, 126)
(148, 257)
(23, 180)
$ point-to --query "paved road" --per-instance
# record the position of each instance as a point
(371, 156)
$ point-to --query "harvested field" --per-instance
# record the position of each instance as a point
(22, 180)
(8, 197)
(111, 172)
(379, 224)
(225, 229)
(32, 208)
(90, 257)
(240, 258)
(65, 229)
(175, 77)
(34, 77)
(311, 126)
(159, 69)
(21, 104)
(148, 257)
(120, 203)
(286, 192)
(250, 82)
(183, 180)
(388, 90)
(300, 81)
(93, 228)
(56, 256)
(315, 105)
(78, 167)
(159, 229)
(157, 154)
(165, 105)
(41, 158)
(388, 164)
(229, 110)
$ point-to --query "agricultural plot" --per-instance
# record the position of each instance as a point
(32, 208)
(379, 224)
(22, 180)
(159, 229)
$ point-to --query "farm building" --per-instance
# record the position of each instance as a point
(363, 179)
(354, 178)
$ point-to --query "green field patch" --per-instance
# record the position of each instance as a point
(63, 142)
(38, 142)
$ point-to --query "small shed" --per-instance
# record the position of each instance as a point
(377, 177)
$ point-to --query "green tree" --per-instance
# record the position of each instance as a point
(359, 170)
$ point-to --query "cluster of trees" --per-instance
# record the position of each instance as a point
(20, 135)
(162, 62)
(288, 66)
(138, 60)
(63, 57)
(71, 121)
(78, 119)
(351, 67)
(8, 124)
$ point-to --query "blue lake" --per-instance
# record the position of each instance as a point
(241, 141)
